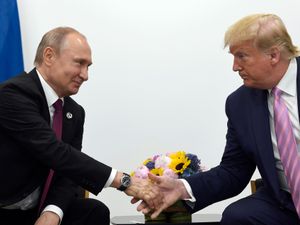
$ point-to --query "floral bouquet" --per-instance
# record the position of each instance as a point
(175, 165)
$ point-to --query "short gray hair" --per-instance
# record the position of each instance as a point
(55, 39)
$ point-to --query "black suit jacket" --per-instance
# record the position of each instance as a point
(28, 146)
(248, 144)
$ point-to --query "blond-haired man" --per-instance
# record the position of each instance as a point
(265, 58)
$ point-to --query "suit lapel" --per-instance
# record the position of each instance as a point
(298, 85)
(43, 103)
(68, 119)
(262, 133)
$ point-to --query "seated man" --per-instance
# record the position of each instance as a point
(41, 129)
(263, 132)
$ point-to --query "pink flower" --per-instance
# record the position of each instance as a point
(141, 172)
(155, 157)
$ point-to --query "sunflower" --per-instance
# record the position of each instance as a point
(147, 161)
(157, 171)
(179, 162)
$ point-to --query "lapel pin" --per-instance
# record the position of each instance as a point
(69, 115)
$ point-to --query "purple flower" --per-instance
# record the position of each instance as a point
(195, 162)
(150, 165)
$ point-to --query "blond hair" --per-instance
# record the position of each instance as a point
(265, 30)
(55, 39)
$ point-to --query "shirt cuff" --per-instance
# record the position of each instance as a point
(189, 191)
(56, 210)
(192, 200)
(111, 178)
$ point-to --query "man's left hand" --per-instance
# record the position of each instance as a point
(48, 218)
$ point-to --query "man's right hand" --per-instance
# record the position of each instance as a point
(146, 190)
(168, 190)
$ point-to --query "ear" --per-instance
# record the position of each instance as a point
(274, 54)
(49, 56)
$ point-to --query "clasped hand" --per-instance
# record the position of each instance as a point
(157, 193)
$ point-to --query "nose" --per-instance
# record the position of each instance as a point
(84, 73)
(236, 66)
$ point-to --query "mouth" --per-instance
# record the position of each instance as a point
(243, 76)
(77, 83)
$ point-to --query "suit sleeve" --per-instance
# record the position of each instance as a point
(20, 119)
(230, 177)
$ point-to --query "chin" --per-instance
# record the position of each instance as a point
(73, 92)
(250, 85)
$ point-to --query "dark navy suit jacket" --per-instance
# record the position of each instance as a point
(28, 146)
(248, 144)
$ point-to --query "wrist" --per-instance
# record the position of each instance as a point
(54, 209)
(182, 190)
(122, 181)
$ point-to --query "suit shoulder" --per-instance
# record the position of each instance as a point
(23, 82)
(245, 97)
(240, 94)
(73, 103)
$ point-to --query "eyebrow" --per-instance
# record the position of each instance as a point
(78, 59)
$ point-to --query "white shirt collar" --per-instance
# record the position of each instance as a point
(50, 94)
(288, 83)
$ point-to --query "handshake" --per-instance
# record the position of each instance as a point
(155, 193)
(156, 182)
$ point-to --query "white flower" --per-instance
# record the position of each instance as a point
(162, 161)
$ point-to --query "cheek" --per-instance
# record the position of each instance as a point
(71, 73)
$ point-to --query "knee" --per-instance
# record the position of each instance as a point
(101, 210)
(234, 215)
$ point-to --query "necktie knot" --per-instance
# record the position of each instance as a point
(276, 92)
(57, 118)
(58, 105)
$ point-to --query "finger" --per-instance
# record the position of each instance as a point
(147, 210)
(142, 206)
(149, 200)
(156, 212)
(154, 178)
(134, 200)
(154, 200)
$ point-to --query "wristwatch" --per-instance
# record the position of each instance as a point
(125, 182)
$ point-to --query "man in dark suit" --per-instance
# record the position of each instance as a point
(265, 58)
(29, 147)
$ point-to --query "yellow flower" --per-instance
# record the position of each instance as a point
(157, 171)
(179, 161)
(146, 161)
